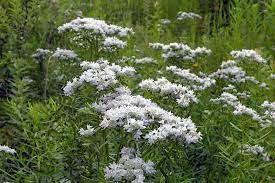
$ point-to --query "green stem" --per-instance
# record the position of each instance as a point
(106, 146)
(98, 164)
(46, 79)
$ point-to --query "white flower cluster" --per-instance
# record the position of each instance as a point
(197, 83)
(165, 21)
(257, 150)
(239, 108)
(135, 113)
(248, 54)
(130, 167)
(41, 53)
(272, 76)
(244, 95)
(145, 60)
(97, 27)
(133, 59)
(187, 15)
(124, 59)
(263, 85)
(89, 132)
(179, 51)
(112, 44)
(229, 88)
(64, 54)
(100, 74)
(184, 95)
(7, 149)
(269, 114)
(231, 72)
(227, 99)
(89, 30)
(156, 46)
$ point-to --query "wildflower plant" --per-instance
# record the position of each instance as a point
(138, 119)
(187, 15)
(7, 149)
(179, 51)
(130, 167)
(145, 121)
(95, 35)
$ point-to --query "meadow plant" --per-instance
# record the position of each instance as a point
(135, 114)
(94, 26)
(88, 132)
(248, 54)
(100, 74)
(184, 95)
(196, 82)
(145, 60)
(229, 71)
(41, 54)
(7, 149)
(240, 109)
(130, 167)
(95, 35)
(64, 54)
(187, 15)
(179, 51)
(256, 150)
(165, 21)
(111, 44)
(272, 76)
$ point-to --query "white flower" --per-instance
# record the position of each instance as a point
(71, 86)
(196, 82)
(272, 76)
(179, 51)
(270, 105)
(184, 95)
(256, 150)
(165, 21)
(87, 30)
(145, 60)
(7, 149)
(244, 94)
(127, 71)
(130, 167)
(239, 108)
(269, 114)
(112, 44)
(187, 15)
(156, 46)
(89, 132)
(248, 54)
(95, 26)
(175, 130)
(64, 54)
(231, 72)
(263, 85)
(226, 98)
(126, 59)
(135, 114)
(229, 87)
(100, 74)
(41, 53)
(135, 125)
